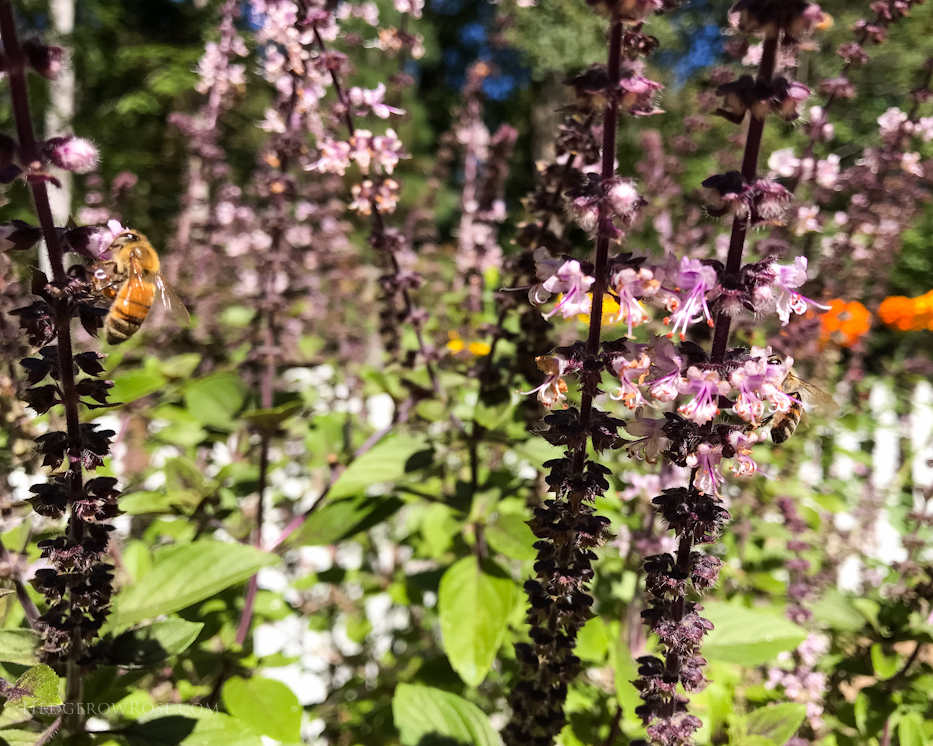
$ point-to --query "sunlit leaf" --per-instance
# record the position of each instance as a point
(474, 601)
(183, 574)
(19, 646)
(424, 715)
(174, 725)
(152, 644)
(269, 707)
(747, 637)
(387, 461)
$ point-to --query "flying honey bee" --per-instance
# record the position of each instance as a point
(131, 280)
(784, 424)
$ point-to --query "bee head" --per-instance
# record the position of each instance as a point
(126, 238)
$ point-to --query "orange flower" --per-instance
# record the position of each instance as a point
(907, 314)
(897, 311)
(845, 322)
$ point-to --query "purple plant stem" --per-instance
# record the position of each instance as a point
(16, 69)
(756, 128)
(606, 228)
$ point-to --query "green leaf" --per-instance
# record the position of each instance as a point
(180, 366)
(625, 672)
(778, 723)
(592, 641)
(42, 685)
(838, 612)
(19, 646)
(135, 384)
(152, 644)
(870, 610)
(474, 602)
(340, 520)
(885, 666)
(173, 725)
(508, 534)
(19, 737)
(910, 729)
(269, 707)
(747, 637)
(215, 400)
(387, 461)
(271, 419)
(183, 574)
(421, 712)
(239, 316)
(143, 503)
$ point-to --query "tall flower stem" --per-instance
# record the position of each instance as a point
(605, 227)
(756, 129)
(379, 231)
(16, 69)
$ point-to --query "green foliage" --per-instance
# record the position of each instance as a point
(184, 574)
(474, 601)
(268, 707)
(425, 715)
(747, 637)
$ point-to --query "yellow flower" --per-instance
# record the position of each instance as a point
(610, 309)
(455, 344)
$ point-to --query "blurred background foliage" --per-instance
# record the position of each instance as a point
(353, 610)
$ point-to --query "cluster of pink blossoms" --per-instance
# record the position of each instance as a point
(686, 289)
(650, 376)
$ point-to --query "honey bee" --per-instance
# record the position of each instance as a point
(131, 280)
(784, 424)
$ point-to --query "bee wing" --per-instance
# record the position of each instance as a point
(176, 309)
(810, 394)
(135, 285)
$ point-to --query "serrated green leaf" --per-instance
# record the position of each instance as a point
(387, 461)
(508, 534)
(747, 637)
(19, 646)
(183, 574)
(174, 725)
(152, 644)
(18, 737)
(778, 723)
(42, 685)
(474, 600)
(269, 707)
(424, 715)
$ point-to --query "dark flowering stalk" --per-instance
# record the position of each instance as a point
(567, 527)
(756, 129)
(77, 585)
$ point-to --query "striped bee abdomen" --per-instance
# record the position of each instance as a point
(125, 317)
